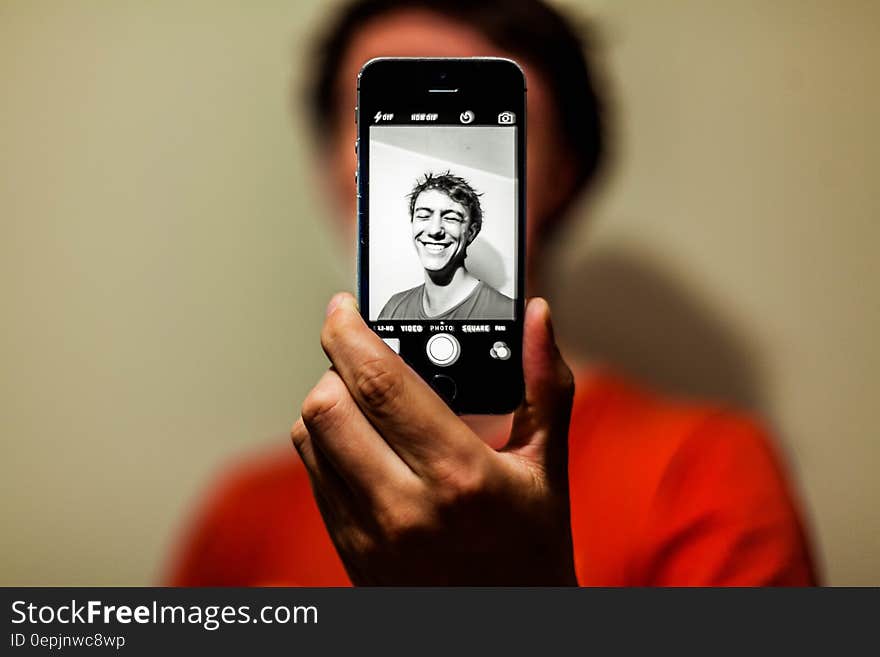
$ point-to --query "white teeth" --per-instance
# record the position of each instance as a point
(434, 248)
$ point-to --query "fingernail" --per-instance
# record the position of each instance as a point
(341, 299)
(544, 309)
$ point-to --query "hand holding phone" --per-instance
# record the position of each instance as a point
(409, 494)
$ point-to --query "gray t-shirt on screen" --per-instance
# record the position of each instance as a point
(485, 302)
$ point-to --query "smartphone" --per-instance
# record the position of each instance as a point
(441, 213)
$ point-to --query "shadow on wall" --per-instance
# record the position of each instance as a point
(621, 308)
(485, 262)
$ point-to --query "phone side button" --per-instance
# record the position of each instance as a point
(444, 386)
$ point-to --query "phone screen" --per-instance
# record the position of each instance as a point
(443, 222)
(441, 227)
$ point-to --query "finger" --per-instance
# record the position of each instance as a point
(357, 453)
(330, 490)
(335, 501)
(540, 424)
(406, 412)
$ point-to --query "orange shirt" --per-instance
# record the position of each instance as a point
(662, 493)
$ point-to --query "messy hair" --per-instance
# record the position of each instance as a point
(455, 187)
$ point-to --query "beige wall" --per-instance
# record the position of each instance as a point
(164, 267)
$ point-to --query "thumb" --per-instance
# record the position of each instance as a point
(540, 424)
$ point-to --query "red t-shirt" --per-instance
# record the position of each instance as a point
(662, 493)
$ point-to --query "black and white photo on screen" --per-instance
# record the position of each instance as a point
(443, 222)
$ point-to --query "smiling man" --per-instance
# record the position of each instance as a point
(615, 486)
(446, 216)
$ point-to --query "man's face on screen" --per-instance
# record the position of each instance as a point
(441, 229)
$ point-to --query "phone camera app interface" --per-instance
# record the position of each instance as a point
(443, 222)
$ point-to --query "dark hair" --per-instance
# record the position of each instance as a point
(529, 29)
(456, 188)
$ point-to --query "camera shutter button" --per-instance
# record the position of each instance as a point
(443, 349)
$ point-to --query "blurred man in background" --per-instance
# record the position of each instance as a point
(658, 492)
